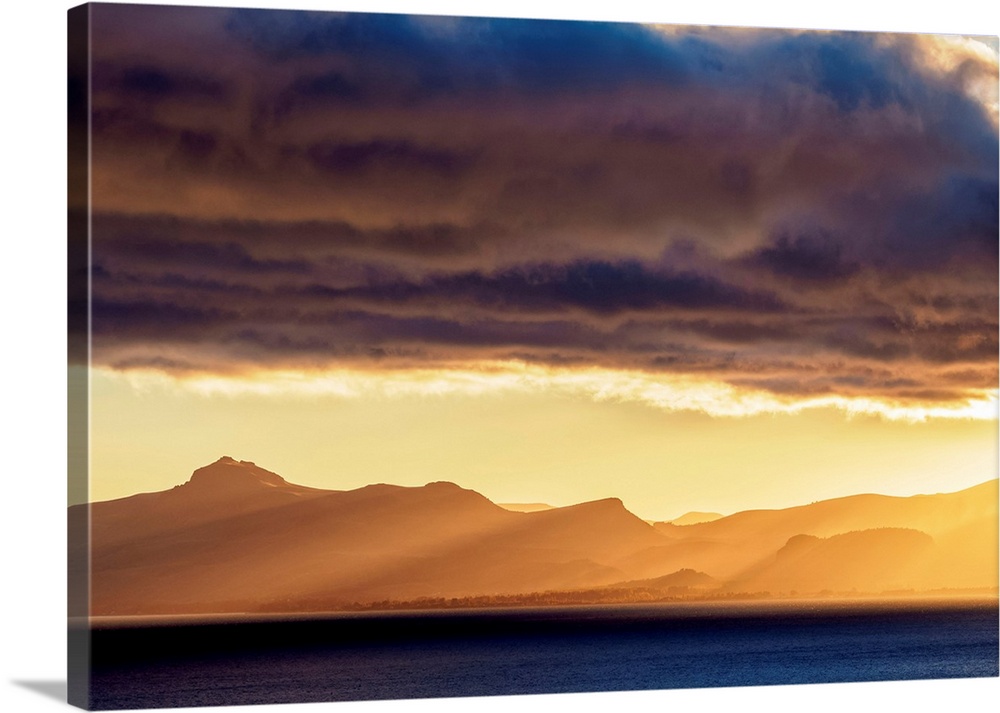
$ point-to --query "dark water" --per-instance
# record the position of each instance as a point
(580, 649)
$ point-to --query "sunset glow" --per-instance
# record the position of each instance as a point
(418, 357)
(693, 268)
(663, 392)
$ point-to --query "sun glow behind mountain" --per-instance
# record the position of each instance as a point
(213, 539)
(526, 435)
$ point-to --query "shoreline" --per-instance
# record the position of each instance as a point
(682, 608)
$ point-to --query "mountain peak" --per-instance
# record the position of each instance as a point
(229, 474)
(443, 485)
(604, 504)
(602, 509)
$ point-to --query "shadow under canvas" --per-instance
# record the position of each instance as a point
(49, 689)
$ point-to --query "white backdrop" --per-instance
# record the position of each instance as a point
(32, 347)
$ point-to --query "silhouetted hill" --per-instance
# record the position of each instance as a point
(935, 514)
(865, 560)
(685, 579)
(694, 518)
(237, 537)
(226, 488)
(961, 524)
(525, 507)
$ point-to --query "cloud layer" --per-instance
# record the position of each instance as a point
(803, 213)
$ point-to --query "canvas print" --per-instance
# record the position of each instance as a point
(420, 356)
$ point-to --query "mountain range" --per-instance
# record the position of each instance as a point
(236, 538)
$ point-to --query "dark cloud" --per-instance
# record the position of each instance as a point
(460, 55)
(859, 345)
(385, 154)
(814, 259)
(851, 69)
(328, 90)
(803, 212)
(219, 258)
(602, 288)
(738, 332)
(151, 318)
(149, 84)
(959, 218)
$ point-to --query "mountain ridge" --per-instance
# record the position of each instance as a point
(237, 535)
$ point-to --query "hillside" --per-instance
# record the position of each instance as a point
(236, 537)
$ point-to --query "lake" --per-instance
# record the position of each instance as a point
(228, 660)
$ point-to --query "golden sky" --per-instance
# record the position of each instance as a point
(693, 268)
(554, 446)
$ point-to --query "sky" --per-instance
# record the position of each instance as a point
(695, 268)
